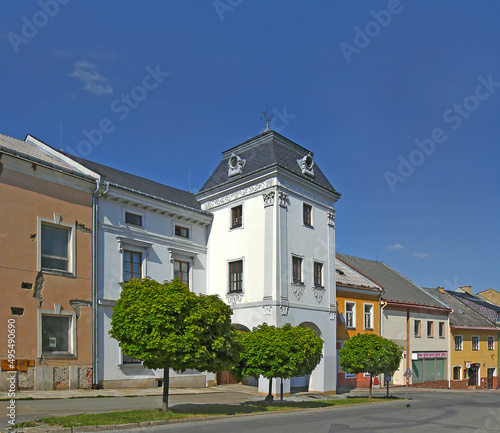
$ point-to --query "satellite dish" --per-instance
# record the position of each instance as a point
(342, 318)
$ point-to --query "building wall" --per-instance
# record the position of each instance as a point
(28, 194)
(343, 332)
(272, 232)
(158, 245)
(395, 326)
(483, 357)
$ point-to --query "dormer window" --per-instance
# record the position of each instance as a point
(235, 165)
(306, 165)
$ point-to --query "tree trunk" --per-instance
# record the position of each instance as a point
(270, 397)
(370, 391)
(166, 377)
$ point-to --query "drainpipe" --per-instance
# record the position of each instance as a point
(95, 221)
(384, 304)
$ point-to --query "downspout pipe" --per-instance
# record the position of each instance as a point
(95, 222)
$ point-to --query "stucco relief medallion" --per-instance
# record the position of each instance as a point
(284, 310)
(319, 293)
(233, 298)
(298, 290)
(333, 315)
(283, 199)
(267, 310)
(331, 218)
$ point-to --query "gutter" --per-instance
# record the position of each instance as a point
(410, 304)
(95, 222)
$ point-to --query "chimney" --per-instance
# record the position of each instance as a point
(467, 289)
(441, 289)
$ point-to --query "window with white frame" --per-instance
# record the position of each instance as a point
(430, 329)
(491, 343)
(134, 219)
(132, 264)
(441, 329)
(56, 247)
(236, 276)
(237, 216)
(368, 316)
(57, 333)
(417, 328)
(475, 342)
(127, 359)
(181, 271)
(350, 315)
(296, 269)
(459, 342)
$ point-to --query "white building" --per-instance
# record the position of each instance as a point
(271, 249)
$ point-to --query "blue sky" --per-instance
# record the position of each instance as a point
(163, 87)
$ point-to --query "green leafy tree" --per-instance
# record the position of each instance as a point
(272, 352)
(370, 353)
(167, 326)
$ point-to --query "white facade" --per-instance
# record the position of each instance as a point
(272, 232)
(153, 241)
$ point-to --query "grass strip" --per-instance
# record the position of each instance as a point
(193, 411)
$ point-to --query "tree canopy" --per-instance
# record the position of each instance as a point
(167, 326)
(370, 353)
(273, 352)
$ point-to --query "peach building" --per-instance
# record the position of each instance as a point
(45, 270)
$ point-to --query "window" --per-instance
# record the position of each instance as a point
(297, 269)
(237, 216)
(459, 342)
(181, 271)
(457, 372)
(491, 343)
(368, 316)
(475, 343)
(131, 265)
(307, 212)
(350, 315)
(183, 232)
(318, 270)
(416, 328)
(236, 276)
(131, 218)
(127, 359)
(430, 329)
(57, 333)
(441, 329)
(55, 248)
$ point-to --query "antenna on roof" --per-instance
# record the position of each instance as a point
(189, 180)
(60, 136)
(265, 115)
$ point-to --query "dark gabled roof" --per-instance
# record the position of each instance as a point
(462, 315)
(140, 184)
(397, 287)
(268, 149)
(485, 309)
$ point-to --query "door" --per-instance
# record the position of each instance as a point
(491, 372)
(473, 375)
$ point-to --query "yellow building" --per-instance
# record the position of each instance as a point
(473, 361)
(358, 312)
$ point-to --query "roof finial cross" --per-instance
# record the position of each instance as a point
(268, 117)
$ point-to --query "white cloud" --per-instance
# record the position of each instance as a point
(395, 247)
(421, 255)
(94, 82)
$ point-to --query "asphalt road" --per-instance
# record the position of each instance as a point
(428, 412)
(471, 412)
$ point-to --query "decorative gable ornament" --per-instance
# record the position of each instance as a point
(306, 164)
(235, 165)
